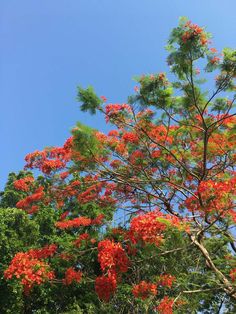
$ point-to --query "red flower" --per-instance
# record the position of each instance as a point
(30, 269)
(233, 274)
(213, 50)
(82, 237)
(98, 220)
(64, 215)
(113, 133)
(166, 280)
(144, 290)
(112, 257)
(103, 98)
(166, 306)
(215, 60)
(23, 184)
(130, 137)
(147, 228)
(113, 110)
(46, 251)
(72, 275)
(105, 287)
(64, 175)
(74, 223)
(35, 197)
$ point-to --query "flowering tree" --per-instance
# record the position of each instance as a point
(165, 172)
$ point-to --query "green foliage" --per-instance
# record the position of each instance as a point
(155, 90)
(9, 197)
(17, 233)
(90, 101)
(87, 145)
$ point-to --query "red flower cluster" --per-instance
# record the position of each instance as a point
(112, 257)
(90, 194)
(64, 215)
(45, 252)
(112, 110)
(50, 165)
(136, 157)
(35, 197)
(130, 137)
(156, 154)
(74, 223)
(148, 228)
(64, 175)
(23, 184)
(166, 280)
(193, 31)
(101, 137)
(121, 149)
(214, 60)
(113, 260)
(82, 237)
(232, 274)
(60, 195)
(29, 269)
(113, 133)
(166, 306)
(115, 163)
(104, 99)
(144, 290)
(160, 133)
(72, 275)
(105, 287)
(79, 221)
(50, 159)
(98, 220)
(215, 196)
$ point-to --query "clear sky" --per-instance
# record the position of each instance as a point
(48, 47)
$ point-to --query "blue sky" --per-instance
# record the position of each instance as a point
(48, 47)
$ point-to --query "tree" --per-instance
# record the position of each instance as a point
(166, 172)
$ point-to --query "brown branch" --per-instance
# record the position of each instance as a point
(228, 287)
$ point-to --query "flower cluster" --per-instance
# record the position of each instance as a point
(215, 60)
(215, 196)
(113, 133)
(80, 221)
(166, 306)
(149, 227)
(45, 252)
(31, 270)
(130, 137)
(192, 32)
(166, 280)
(98, 220)
(113, 260)
(72, 275)
(114, 110)
(232, 274)
(144, 290)
(136, 157)
(83, 237)
(112, 257)
(35, 197)
(23, 184)
(91, 193)
(50, 159)
(74, 223)
(160, 134)
(105, 287)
